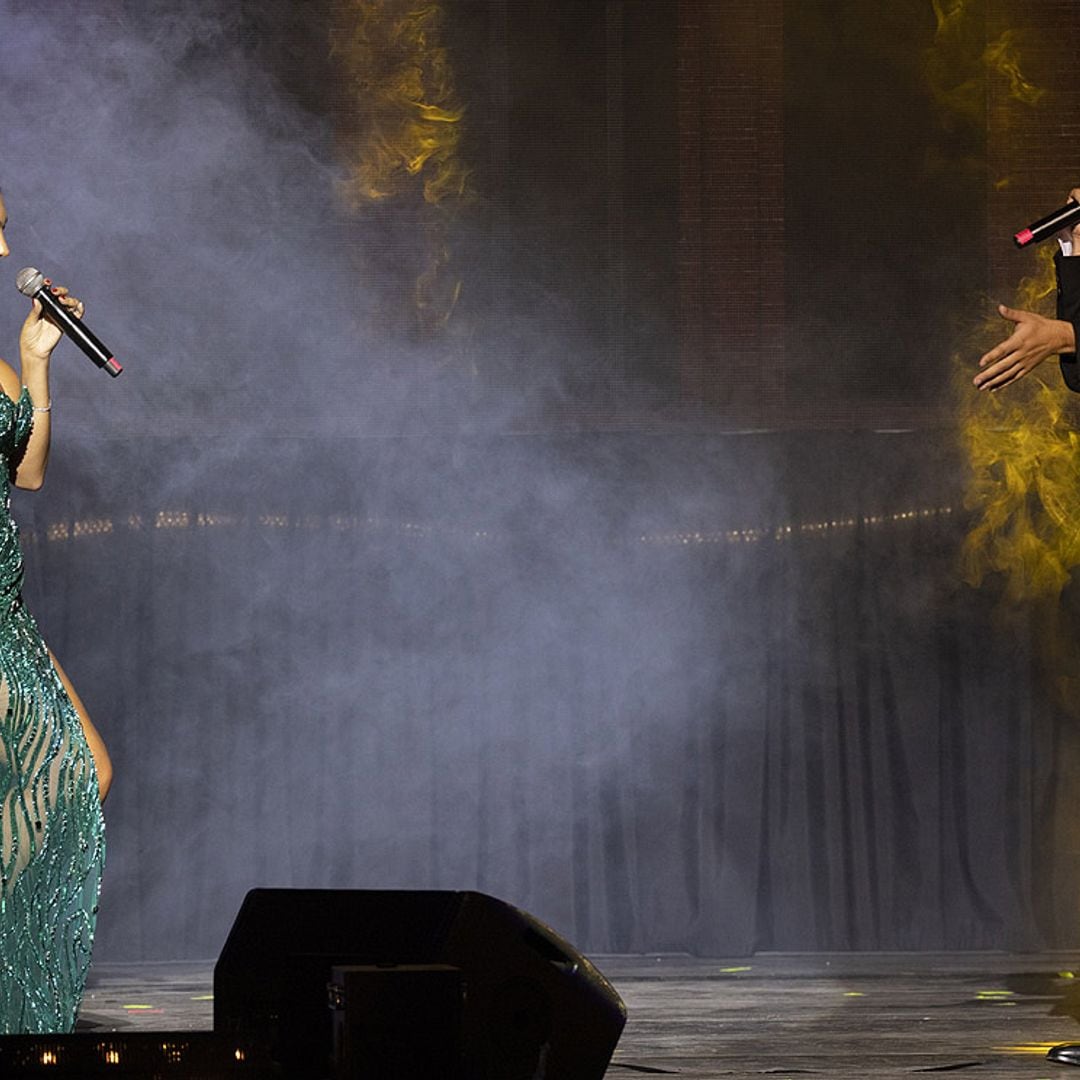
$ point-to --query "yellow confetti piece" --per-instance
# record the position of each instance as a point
(203, 997)
(138, 1007)
(853, 993)
(1066, 975)
(734, 970)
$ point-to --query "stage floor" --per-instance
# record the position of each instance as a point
(834, 1015)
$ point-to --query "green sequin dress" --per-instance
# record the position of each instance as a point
(52, 834)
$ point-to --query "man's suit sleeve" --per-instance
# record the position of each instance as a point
(1068, 309)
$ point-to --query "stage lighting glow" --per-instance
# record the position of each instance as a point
(92, 527)
(216, 520)
(172, 519)
(60, 531)
(788, 531)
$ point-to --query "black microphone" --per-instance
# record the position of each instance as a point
(1067, 216)
(31, 282)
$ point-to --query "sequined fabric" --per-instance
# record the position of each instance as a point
(52, 837)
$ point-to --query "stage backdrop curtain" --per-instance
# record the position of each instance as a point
(751, 709)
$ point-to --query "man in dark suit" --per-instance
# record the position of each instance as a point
(1035, 337)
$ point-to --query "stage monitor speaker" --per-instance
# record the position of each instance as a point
(532, 1007)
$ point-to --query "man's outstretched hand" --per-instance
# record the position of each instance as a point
(1033, 339)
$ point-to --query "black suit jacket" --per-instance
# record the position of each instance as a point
(1068, 308)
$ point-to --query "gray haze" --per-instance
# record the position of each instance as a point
(309, 704)
(345, 629)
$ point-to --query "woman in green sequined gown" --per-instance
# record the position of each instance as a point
(54, 770)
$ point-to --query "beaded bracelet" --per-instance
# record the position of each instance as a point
(43, 408)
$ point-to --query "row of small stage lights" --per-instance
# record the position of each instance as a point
(788, 532)
(183, 519)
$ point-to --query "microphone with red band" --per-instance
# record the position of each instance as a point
(1043, 229)
(31, 282)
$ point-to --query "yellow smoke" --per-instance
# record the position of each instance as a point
(1003, 57)
(953, 65)
(403, 141)
(959, 61)
(1024, 454)
(1024, 480)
